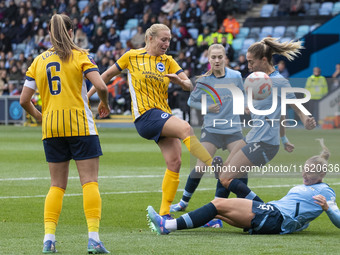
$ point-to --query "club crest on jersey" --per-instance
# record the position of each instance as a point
(160, 67)
(91, 59)
(164, 115)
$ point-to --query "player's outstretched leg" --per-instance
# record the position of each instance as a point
(156, 222)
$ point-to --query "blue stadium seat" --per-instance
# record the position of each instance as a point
(244, 31)
(267, 10)
(254, 32)
(108, 23)
(243, 6)
(313, 27)
(237, 44)
(275, 10)
(266, 31)
(246, 44)
(336, 8)
(193, 33)
(313, 9)
(302, 30)
(131, 23)
(82, 4)
(279, 31)
(290, 31)
(326, 8)
(306, 6)
(124, 36)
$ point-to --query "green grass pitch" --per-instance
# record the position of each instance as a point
(131, 172)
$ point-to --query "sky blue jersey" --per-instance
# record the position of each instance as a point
(222, 97)
(270, 131)
(298, 207)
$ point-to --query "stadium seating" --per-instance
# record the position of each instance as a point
(267, 10)
(254, 32)
(82, 4)
(290, 31)
(246, 44)
(336, 8)
(242, 6)
(131, 23)
(279, 31)
(266, 31)
(326, 8)
(238, 43)
(244, 31)
(302, 30)
(313, 27)
(124, 36)
(193, 32)
(108, 23)
(313, 9)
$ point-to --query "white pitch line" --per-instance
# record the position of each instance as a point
(158, 191)
(77, 177)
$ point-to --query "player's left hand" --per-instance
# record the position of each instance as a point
(103, 110)
(309, 123)
(321, 200)
(289, 147)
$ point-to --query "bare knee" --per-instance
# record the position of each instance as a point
(187, 130)
(219, 203)
(225, 181)
(174, 164)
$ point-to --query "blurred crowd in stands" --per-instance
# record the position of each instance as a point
(108, 28)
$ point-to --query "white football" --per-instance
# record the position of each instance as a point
(260, 83)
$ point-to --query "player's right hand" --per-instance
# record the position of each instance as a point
(215, 108)
(103, 110)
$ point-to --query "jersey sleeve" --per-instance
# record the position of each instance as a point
(174, 67)
(123, 62)
(195, 96)
(30, 76)
(333, 211)
(87, 63)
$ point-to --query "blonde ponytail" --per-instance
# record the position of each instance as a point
(62, 42)
(269, 46)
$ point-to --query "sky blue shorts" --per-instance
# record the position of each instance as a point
(219, 140)
(150, 124)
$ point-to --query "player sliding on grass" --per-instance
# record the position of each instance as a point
(68, 127)
(223, 136)
(150, 71)
(261, 143)
(293, 212)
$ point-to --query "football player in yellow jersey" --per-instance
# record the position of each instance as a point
(150, 71)
(68, 126)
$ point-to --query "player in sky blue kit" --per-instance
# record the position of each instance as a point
(292, 213)
(262, 143)
(219, 106)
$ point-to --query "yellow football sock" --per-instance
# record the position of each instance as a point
(197, 149)
(169, 189)
(52, 210)
(92, 203)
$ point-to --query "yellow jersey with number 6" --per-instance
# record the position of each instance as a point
(62, 87)
(147, 83)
